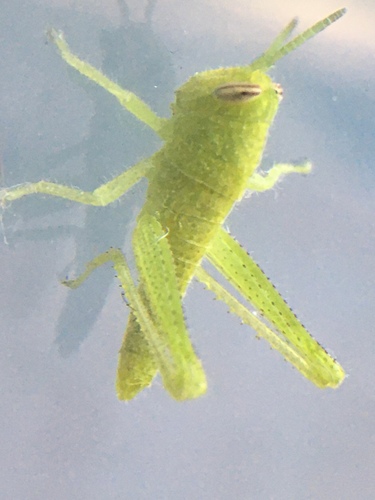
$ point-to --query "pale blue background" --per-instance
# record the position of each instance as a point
(262, 431)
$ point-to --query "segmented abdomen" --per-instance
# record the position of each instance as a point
(190, 212)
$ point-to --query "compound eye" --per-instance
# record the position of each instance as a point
(237, 91)
(279, 90)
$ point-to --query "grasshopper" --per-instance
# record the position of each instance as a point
(213, 144)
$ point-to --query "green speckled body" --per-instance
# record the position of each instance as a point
(204, 166)
(212, 147)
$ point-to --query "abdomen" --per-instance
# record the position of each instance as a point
(190, 212)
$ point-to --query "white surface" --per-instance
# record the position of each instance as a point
(262, 431)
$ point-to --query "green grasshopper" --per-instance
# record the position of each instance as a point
(213, 144)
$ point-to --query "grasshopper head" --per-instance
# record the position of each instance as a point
(243, 91)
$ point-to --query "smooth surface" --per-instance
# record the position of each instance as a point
(262, 431)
